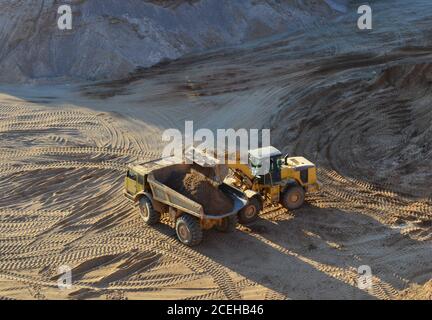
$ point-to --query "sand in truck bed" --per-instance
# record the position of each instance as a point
(200, 190)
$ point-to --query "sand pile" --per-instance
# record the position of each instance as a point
(196, 187)
(417, 291)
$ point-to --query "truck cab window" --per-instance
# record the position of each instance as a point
(131, 175)
(141, 179)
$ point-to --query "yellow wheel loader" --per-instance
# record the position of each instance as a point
(286, 180)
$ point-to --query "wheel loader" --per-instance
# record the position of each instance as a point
(285, 182)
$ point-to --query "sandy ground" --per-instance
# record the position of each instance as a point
(359, 109)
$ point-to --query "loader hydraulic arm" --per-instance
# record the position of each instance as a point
(243, 173)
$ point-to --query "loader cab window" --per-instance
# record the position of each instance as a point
(275, 168)
(259, 166)
(276, 163)
(255, 165)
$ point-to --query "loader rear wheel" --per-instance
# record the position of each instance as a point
(189, 230)
(293, 197)
(228, 224)
(147, 213)
(250, 212)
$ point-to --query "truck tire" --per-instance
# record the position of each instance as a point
(293, 197)
(188, 230)
(147, 213)
(228, 224)
(250, 212)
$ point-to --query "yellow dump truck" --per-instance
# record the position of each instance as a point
(146, 186)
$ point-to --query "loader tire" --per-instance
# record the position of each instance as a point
(147, 213)
(293, 197)
(188, 230)
(250, 212)
(228, 224)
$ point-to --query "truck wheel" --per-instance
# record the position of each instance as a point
(149, 215)
(293, 197)
(188, 230)
(250, 212)
(228, 224)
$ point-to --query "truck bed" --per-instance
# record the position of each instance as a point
(158, 178)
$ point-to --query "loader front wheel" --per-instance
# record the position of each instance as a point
(228, 224)
(250, 212)
(147, 213)
(293, 197)
(188, 230)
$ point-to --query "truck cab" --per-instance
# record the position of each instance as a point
(135, 181)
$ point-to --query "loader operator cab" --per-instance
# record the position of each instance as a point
(266, 164)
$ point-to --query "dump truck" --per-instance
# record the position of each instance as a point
(285, 182)
(148, 186)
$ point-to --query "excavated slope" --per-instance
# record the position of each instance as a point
(111, 38)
